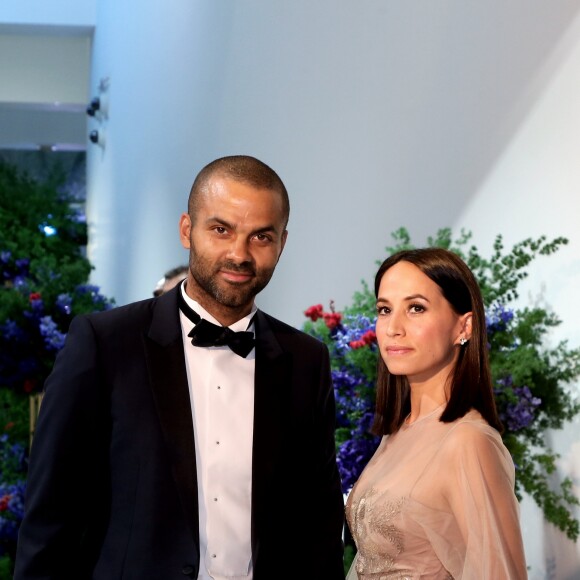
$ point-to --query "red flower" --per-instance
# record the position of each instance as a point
(34, 296)
(314, 312)
(29, 385)
(9, 425)
(332, 319)
(368, 338)
(4, 500)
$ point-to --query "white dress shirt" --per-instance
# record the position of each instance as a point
(221, 388)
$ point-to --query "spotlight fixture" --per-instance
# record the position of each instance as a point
(94, 106)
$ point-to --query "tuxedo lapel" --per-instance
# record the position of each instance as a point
(271, 404)
(168, 377)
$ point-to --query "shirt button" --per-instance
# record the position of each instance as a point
(219, 387)
(213, 556)
(215, 499)
(217, 442)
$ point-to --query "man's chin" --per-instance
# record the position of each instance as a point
(233, 299)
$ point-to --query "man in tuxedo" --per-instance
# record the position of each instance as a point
(191, 435)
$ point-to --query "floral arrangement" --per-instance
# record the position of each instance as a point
(12, 487)
(43, 285)
(531, 380)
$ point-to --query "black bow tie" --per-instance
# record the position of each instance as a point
(205, 333)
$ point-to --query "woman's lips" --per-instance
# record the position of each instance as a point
(398, 350)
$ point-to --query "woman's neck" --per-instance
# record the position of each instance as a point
(425, 401)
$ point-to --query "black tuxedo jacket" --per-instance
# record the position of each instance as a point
(112, 484)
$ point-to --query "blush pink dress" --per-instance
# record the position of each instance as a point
(436, 501)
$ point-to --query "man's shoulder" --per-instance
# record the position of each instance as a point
(284, 331)
(132, 311)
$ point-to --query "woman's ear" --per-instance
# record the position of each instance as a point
(467, 325)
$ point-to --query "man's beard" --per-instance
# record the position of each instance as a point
(231, 295)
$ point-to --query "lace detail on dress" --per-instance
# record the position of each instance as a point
(379, 540)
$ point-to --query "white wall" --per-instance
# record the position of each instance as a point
(44, 69)
(377, 114)
(56, 13)
(532, 190)
(45, 50)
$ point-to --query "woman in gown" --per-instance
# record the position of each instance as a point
(437, 499)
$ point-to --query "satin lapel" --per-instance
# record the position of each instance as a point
(271, 405)
(166, 364)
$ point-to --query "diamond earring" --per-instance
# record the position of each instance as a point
(462, 341)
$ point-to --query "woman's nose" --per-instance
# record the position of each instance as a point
(395, 324)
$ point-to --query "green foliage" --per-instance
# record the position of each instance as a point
(43, 285)
(5, 567)
(56, 263)
(43, 275)
(14, 415)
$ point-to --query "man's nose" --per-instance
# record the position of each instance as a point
(239, 250)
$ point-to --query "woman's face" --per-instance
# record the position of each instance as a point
(418, 331)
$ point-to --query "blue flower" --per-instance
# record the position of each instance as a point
(53, 338)
(498, 318)
(22, 265)
(521, 414)
(100, 302)
(64, 303)
(21, 283)
(352, 456)
(352, 328)
(11, 511)
(11, 331)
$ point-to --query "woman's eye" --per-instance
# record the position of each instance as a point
(417, 308)
(382, 310)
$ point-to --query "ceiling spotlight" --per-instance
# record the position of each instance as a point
(93, 107)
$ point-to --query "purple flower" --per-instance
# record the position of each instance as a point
(5, 256)
(53, 338)
(498, 318)
(28, 366)
(352, 457)
(20, 283)
(521, 414)
(36, 309)
(87, 289)
(11, 331)
(11, 511)
(22, 265)
(64, 302)
(352, 329)
(99, 301)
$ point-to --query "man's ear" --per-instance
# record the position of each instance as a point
(185, 230)
(283, 242)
